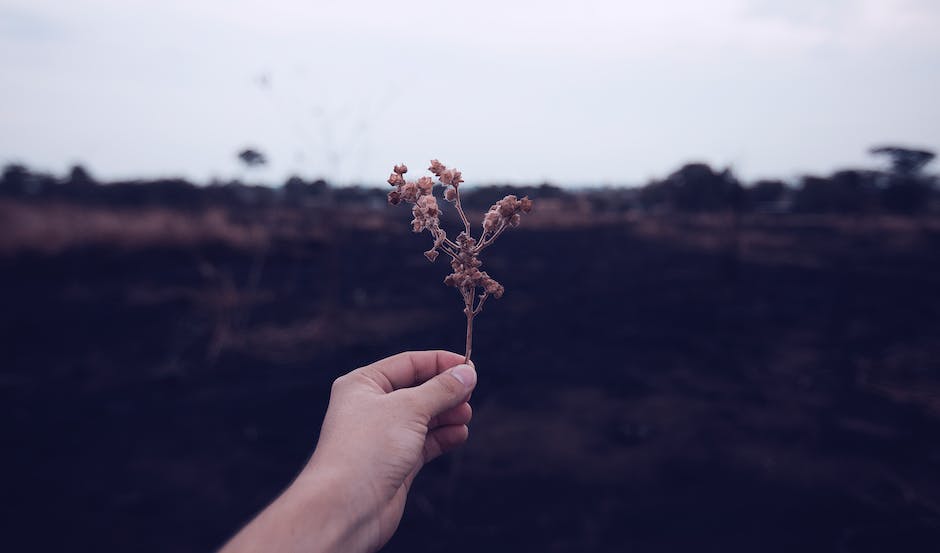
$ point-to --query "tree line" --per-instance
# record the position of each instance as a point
(903, 187)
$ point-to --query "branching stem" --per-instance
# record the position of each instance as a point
(463, 216)
(464, 251)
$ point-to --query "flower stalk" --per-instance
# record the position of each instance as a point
(474, 285)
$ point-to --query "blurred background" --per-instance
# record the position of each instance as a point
(720, 330)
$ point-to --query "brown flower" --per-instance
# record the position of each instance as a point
(525, 204)
(436, 167)
(425, 184)
(465, 250)
(492, 287)
(395, 179)
(491, 220)
(409, 192)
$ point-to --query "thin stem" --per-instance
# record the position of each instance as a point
(479, 306)
(468, 310)
(446, 242)
(451, 243)
(466, 358)
(466, 222)
(487, 241)
(445, 249)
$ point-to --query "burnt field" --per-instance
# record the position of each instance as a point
(648, 383)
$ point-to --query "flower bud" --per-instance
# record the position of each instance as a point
(394, 197)
(409, 192)
(507, 206)
(450, 194)
(492, 287)
(401, 169)
(428, 205)
(436, 167)
(525, 204)
(425, 184)
(447, 176)
(431, 255)
(490, 221)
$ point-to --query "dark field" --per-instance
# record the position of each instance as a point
(648, 383)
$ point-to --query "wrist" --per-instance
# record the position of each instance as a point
(324, 500)
(310, 516)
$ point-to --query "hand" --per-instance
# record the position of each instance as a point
(384, 422)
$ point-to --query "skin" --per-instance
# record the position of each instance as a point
(384, 422)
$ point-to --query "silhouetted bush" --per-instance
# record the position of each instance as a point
(767, 196)
(843, 192)
(695, 188)
(906, 194)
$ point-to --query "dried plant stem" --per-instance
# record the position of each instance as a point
(463, 216)
(471, 312)
(464, 250)
(466, 358)
(484, 242)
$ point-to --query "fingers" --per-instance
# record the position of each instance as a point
(443, 439)
(443, 392)
(456, 415)
(409, 368)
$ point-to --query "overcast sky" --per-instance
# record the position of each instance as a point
(587, 92)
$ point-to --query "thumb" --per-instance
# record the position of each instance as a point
(445, 391)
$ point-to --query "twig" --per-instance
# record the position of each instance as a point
(464, 252)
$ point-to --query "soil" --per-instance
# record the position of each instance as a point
(650, 383)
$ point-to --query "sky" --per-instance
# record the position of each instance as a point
(574, 93)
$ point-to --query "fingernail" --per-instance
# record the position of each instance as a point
(465, 375)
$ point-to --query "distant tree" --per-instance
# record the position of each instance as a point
(296, 188)
(906, 188)
(252, 158)
(15, 180)
(657, 195)
(696, 187)
(765, 192)
(79, 176)
(905, 161)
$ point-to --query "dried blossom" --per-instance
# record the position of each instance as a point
(465, 250)
(436, 167)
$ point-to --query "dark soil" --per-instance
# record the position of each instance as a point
(654, 384)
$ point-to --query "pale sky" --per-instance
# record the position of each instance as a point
(588, 92)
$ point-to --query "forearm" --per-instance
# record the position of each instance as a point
(311, 516)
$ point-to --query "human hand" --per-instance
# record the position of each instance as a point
(384, 422)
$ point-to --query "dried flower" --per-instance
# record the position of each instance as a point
(425, 184)
(409, 192)
(465, 250)
(505, 213)
(436, 167)
(395, 179)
